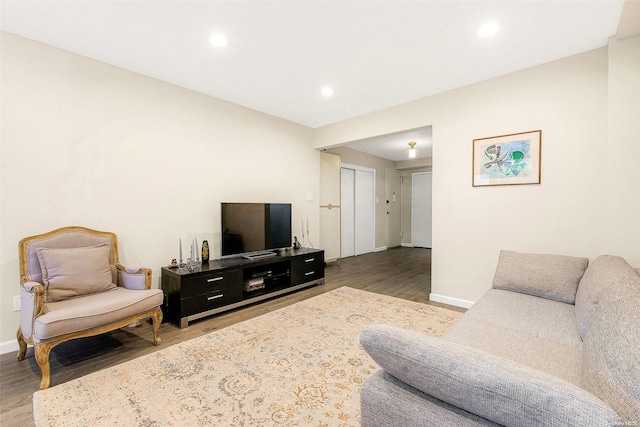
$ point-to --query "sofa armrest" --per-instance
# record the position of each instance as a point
(31, 286)
(483, 384)
(31, 306)
(134, 278)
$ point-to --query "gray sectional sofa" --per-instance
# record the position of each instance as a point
(555, 342)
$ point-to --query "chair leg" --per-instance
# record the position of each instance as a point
(22, 344)
(42, 352)
(157, 320)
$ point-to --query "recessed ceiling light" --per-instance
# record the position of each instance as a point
(488, 29)
(326, 91)
(219, 40)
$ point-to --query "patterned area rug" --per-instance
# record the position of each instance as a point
(298, 366)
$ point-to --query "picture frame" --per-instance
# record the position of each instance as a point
(512, 159)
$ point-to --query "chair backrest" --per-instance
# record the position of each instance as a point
(62, 238)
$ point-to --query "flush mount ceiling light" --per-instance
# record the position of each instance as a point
(412, 153)
(219, 40)
(488, 29)
(326, 91)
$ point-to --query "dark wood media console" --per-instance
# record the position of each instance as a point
(225, 284)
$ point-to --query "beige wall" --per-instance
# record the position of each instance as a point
(568, 99)
(424, 162)
(85, 143)
(358, 158)
(623, 166)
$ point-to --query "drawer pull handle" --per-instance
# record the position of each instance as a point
(309, 260)
(309, 273)
(215, 279)
(215, 297)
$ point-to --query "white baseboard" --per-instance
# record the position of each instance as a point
(451, 301)
(406, 245)
(9, 346)
(380, 249)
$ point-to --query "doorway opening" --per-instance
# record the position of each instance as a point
(393, 218)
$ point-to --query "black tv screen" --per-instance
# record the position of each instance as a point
(255, 227)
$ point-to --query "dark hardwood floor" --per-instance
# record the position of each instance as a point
(399, 272)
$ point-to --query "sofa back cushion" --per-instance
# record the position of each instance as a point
(554, 277)
(608, 317)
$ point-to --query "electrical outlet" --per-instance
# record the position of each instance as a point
(16, 303)
(309, 197)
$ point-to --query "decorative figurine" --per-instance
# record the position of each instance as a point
(205, 251)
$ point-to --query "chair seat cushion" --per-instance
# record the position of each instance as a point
(94, 310)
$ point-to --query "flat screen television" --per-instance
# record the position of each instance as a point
(254, 229)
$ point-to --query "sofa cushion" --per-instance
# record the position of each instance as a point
(554, 277)
(608, 314)
(92, 311)
(481, 383)
(607, 274)
(67, 273)
(386, 401)
(536, 332)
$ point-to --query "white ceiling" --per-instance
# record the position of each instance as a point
(393, 147)
(375, 54)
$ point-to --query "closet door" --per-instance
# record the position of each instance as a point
(347, 203)
(364, 212)
(421, 210)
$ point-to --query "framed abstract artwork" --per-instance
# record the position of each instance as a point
(507, 159)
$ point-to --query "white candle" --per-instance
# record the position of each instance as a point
(191, 258)
(302, 223)
(181, 249)
(195, 247)
(307, 227)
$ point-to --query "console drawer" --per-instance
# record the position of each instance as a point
(227, 282)
(209, 301)
(307, 268)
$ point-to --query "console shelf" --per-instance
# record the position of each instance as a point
(221, 285)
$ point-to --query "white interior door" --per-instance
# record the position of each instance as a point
(364, 212)
(347, 205)
(329, 237)
(421, 210)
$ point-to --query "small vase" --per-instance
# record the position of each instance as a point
(205, 251)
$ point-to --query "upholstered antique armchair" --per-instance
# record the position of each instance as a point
(72, 286)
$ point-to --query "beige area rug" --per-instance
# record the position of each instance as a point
(301, 365)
